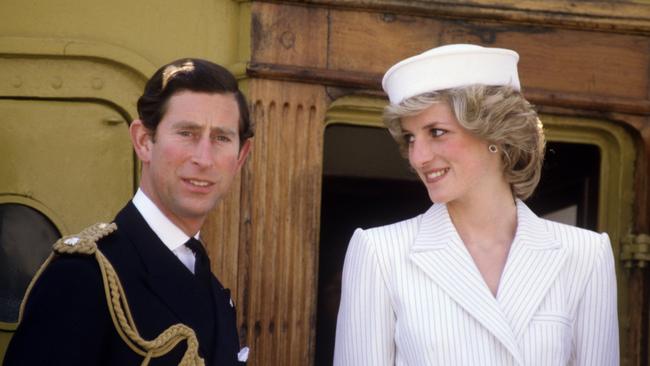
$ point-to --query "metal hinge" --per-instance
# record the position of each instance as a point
(635, 252)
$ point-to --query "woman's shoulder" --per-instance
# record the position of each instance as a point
(397, 231)
(575, 237)
(572, 238)
(586, 249)
(589, 259)
(387, 245)
(389, 241)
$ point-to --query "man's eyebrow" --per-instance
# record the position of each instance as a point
(223, 131)
(186, 125)
(189, 125)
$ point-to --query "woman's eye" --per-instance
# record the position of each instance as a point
(408, 138)
(436, 132)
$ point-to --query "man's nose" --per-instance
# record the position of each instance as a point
(202, 154)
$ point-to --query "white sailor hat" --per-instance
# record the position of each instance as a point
(448, 67)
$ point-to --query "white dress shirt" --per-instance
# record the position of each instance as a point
(170, 234)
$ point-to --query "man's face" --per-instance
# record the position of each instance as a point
(191, 162)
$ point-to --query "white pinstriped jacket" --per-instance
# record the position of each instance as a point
(412, 295)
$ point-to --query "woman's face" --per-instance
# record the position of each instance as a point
(454, 164)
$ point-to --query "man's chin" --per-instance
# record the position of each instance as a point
(198, 210)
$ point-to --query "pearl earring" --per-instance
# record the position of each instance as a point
(493, 148)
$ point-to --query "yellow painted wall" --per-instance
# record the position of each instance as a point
(158, 30)
(70, 75)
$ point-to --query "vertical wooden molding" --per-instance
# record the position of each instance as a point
(220, 234)
(280, 214)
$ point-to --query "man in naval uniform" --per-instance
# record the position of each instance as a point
(192, 137)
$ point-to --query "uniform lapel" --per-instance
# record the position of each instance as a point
(534, 262)
(440, 253)
(165, 275)
(226, 338)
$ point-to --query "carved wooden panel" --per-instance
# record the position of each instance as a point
(624, 16)
(561, 65)
(280, 222)
(552, 59)
(289, 35)
(372, 42)
(220, 234)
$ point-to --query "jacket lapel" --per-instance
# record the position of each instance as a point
(441, 254)
(226, 338)
(534, 262)
(166, 276)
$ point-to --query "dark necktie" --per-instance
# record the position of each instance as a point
(202, 262)
(204, 277)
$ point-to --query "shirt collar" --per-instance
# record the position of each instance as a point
(170, 234)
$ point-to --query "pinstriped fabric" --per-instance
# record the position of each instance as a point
(374, 315)
(412, 295)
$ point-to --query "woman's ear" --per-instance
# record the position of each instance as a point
(142, 139)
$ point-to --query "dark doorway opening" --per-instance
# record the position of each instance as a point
(26, 238)
(366, 184)
(568, 190)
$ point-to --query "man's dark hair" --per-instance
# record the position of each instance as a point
(190, 74)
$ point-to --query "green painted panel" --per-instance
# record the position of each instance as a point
(73, 161)
(158, 30)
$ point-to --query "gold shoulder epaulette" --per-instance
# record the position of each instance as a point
(86, 241)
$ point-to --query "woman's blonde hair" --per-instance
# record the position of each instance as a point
(497, 114)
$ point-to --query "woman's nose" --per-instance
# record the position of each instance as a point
(420, 153)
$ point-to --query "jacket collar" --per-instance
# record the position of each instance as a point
(168, 233)
(164, 273)
(533, 263)
(436, 224)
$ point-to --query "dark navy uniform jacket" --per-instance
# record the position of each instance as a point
(67, 321)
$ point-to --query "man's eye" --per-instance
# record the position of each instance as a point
(185, 133)
(222, 138)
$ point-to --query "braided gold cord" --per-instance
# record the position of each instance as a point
(86, 243)
(21, 310)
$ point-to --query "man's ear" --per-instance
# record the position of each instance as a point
(142, 140)
(243, 153)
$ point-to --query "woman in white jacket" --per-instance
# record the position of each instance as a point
(478, 279)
